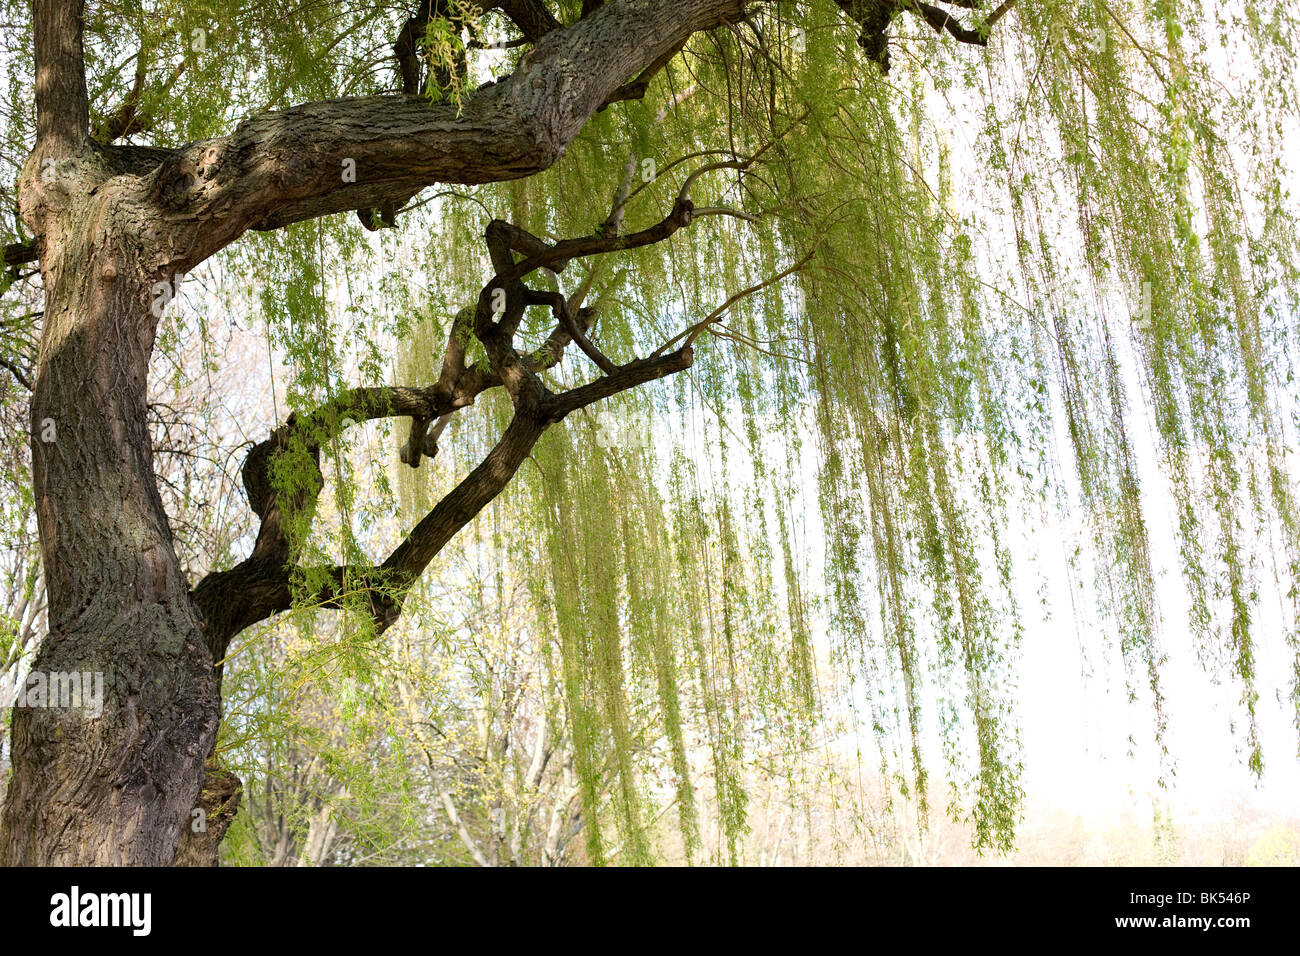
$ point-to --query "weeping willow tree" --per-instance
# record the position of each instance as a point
(779, 320)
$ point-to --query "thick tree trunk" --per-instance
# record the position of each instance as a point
(116, 788)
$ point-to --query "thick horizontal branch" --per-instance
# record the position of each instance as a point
(339, 155)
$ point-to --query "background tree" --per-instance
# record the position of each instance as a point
(659, 180)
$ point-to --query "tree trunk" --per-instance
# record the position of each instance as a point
(116, 788)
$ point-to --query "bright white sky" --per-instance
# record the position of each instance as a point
(1076, 731)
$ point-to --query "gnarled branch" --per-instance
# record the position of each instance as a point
(263, 584)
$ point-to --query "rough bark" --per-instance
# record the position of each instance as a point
(218, 803)
(112, 789)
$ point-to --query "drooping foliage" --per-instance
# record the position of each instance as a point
(1048, 283)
